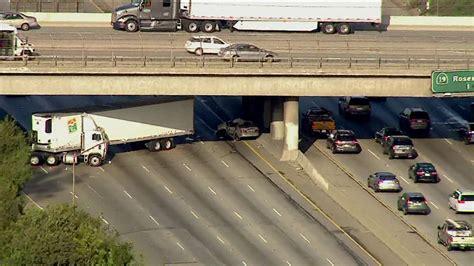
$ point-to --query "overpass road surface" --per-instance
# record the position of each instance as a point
(391, 44)
(453, 160)
(201, 203)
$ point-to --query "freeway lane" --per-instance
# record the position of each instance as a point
(200, 203)
(454, 160)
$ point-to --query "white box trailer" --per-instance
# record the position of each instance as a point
(64, 137)
(260, 15)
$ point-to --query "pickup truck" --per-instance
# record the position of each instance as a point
(455, 234)
(318, 120)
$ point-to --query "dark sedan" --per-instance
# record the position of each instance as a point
(382, 135)
(246, 52)
(423, 172)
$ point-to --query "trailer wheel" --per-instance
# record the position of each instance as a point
(36, 159)
(344, 28)
(208, 26)
(167, 144)
(191, 26)
(52, 160)
(154, 145)
(131, 25)
(328, 28)
(95, 160)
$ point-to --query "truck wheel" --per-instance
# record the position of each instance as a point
(36, 159)
(191, 26)
(154, 145)
(198, 52)
(208, 26)
(131, 25)
(25, 26)
(52, 160)
(328, 28)
(344, 28)
(167, 144)
(269, 58)
(95, 160)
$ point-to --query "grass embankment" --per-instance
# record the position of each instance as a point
(462, 8)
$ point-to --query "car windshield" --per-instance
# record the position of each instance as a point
(402, 142)
(467, 197)
(426, 167)
(419, 115)
(461, 227)
(392, 131)
(247, 124)
(386, 177)
(417, 199)
(359, 101)
(346, 138)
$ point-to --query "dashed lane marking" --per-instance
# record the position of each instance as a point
(304, 237)
(262, 238)
(434, 205)
(34, 202)
(44, 170)
(187, 167)
(93, 190)
(127, 194)
(75, 195)
(251, 188)
(276, 212)
(212, 190)
(448, 141)
(226, 165)
(220, 239)
(146, 169)
(404, 179)
(194, 214)
(238, 215)
(449, 179)
(330, 262)
(103, 220)
(375, 155)
(169, 190)
(179, 245)
(102, 169)
(153, 219)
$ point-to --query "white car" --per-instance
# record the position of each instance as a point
(200, 45)
(462, 200)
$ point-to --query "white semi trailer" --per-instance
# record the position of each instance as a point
(330, 16)
(73, 137)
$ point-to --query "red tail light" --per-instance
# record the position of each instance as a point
(355, 142)
(385, 138)
(461, 201)
(413, 120)
(338, 142)
(420, 173)
(434, 173)
(409, 202)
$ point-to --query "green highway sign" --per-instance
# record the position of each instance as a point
(452, 81)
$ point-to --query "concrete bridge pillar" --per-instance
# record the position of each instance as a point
(291, 121)
(277, 127)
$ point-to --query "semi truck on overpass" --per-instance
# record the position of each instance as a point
(71, 137)
(12, 45)
(329, 16)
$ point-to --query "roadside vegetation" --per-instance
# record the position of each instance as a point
(444, 7)
(57, 235)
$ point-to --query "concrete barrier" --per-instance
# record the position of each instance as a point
(311, 171)
(392, 21)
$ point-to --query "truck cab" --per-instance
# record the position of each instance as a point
(147, 15)
(11, 44)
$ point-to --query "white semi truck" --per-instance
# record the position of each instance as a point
(330, 16)
(73, 137)
(12, 45)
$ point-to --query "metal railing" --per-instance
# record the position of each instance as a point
(215, 63)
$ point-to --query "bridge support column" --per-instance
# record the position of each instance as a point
(277, 127)
(291, 121)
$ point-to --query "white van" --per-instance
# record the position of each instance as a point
(462, 200)
(12, 45)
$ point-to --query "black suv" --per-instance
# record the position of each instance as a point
(415, 120)
(423, 172)
(467, 133)
(354, 106)
(399, 147)
(343, 141)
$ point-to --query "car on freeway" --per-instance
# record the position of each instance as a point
(318, 120)
(455, 234)
(19, 20)
(354, 106)
(200, 45)
(462, 200)
(344, 141)
(382, 135)
(415, 120)
(413, 202)
(237, 129)
(383, 181)
(423, 172)
(399, 146)
(246, 52)
(467, 133)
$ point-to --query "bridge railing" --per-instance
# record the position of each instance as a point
(282, 63)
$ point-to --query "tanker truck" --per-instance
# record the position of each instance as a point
(72, 137)
(328, 16)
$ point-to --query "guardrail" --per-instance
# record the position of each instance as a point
(216, 63)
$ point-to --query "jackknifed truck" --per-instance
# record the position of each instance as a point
(329, 16)
(72, 137)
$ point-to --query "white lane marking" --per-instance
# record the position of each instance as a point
(244, 263)
(75, 195)
(220, 239)
(156, 222)
(212, 190)
(304, 237)
(375, 155)
(169, 190)
(187, 167)
(434, 205)
(127, 194)
(226, 165)
(448, 141)
(103, 220)
(34, 202)
(202, 142)
(449, 179)
(102, 169)
(287, 262)
(93, 190)
(179, 245)
(195, 215)
(404, 179)
(262, 238)
(238, 215)
(330, 262)
(44, 170)
(276, 212)
(146, 169)
(472, 161)
(462, 107)
(251, 188)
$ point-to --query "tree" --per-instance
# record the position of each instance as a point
(14, 170)
(62, 234)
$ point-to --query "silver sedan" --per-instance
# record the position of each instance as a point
(19, 20)
(246, 52)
